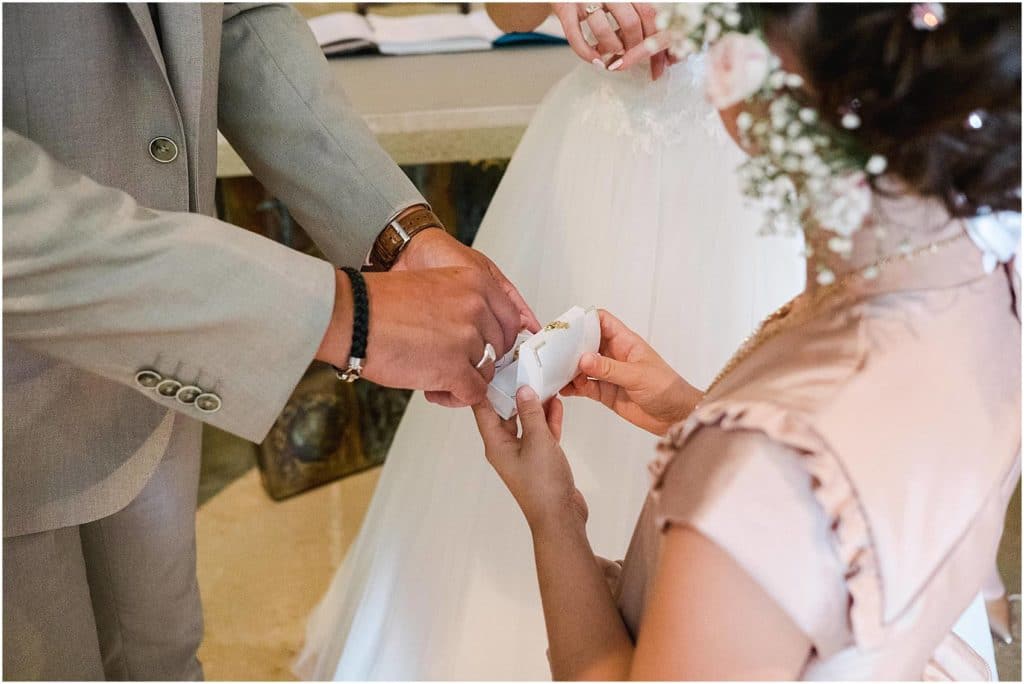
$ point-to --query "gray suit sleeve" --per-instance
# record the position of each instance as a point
(93, 279)
(281, 110)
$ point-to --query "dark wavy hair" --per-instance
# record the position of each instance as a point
(920, 95)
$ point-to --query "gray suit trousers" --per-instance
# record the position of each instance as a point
(116, 598)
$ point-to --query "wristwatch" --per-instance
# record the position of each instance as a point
(397, 234)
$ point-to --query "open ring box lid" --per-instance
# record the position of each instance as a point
(547, 361)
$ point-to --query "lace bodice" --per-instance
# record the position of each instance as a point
(630, 104)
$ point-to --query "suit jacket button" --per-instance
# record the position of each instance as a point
(148, 378)
(162, 149)
(208, 402)
(168, 388)
(188, 394)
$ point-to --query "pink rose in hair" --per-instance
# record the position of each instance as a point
(737, 67)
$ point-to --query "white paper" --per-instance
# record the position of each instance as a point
(427, 33)
(547, 361)
(340, 32)
(340, 26)
(550, 27)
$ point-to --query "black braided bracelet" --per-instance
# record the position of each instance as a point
(360, 326)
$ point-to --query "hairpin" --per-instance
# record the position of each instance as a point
(927, 16)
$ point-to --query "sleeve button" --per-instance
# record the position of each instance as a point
(148, 378)
(168, 388)
(208, 402)
(188, 394)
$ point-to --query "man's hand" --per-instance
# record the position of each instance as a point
(427, 330)
(434, 248)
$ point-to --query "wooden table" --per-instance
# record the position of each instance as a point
(428, 109)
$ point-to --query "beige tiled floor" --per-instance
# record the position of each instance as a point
(263, 565)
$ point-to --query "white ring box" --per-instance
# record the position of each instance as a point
(547, 361)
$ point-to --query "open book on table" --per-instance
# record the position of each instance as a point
(342, 33)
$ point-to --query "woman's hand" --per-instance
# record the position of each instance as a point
(631, 379)
(533, 465)
(637, 38)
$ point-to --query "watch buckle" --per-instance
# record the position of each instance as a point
(397, 227)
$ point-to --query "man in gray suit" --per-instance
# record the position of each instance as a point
(131, 315)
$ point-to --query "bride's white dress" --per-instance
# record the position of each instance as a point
(622, 194)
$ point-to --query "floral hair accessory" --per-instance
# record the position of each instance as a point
(927, 16)
(803, 170)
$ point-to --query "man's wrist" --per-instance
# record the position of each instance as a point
(337, 340)
(410, 258)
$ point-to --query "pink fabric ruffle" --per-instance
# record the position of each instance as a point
(832, 489)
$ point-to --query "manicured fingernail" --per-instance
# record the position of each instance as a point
(615, 65)
(598, 63)
(526, 393)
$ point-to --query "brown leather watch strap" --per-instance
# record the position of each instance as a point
(397, 234)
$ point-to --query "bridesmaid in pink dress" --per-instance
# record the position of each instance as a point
(834, 501)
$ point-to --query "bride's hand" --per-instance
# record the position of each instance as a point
(631, 379)
(637, 22)
(533, 465)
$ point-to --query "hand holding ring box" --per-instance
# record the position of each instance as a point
(547, 361)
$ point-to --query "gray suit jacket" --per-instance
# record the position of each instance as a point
(112, 263)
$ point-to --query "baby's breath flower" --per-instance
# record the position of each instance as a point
(826, 277)
(850, 121)
(803, 146)
(840, 245)
(876, 164)
(808, 115)
(712, 30)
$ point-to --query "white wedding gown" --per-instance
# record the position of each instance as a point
(622, 194)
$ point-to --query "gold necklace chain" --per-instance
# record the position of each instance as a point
(772, 324)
